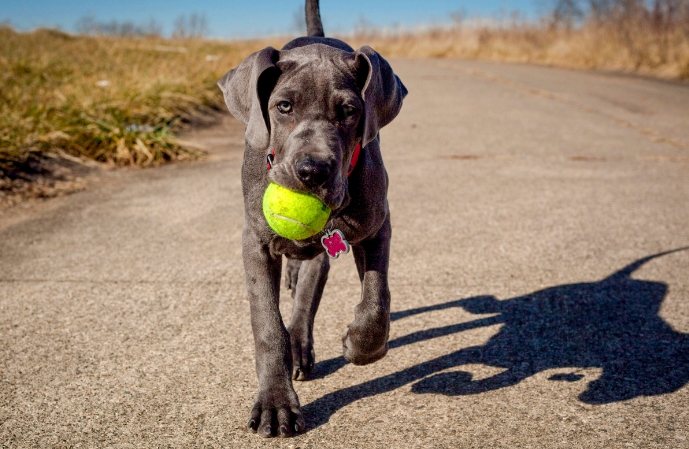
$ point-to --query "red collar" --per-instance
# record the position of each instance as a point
(355, 159)
(352, 164)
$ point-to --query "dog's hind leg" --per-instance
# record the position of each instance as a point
(366, 340)
(307, 295)
(292, 275)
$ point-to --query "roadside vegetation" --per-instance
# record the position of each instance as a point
(69, 101)
(117, 100)
(632, 36)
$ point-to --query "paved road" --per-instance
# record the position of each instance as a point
(526, 202)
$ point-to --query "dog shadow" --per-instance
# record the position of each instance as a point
(612, 324)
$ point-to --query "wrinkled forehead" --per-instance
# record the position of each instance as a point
(316, 68)
(316, 52)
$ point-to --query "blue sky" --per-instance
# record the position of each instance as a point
(253, 18)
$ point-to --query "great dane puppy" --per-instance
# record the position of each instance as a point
(307, 109)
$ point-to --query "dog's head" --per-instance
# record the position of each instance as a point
(312, 105)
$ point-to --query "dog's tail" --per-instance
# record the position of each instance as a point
(626, 272)
(314, 26)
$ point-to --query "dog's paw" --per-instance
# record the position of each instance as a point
(366, 339)
(276, 412)
(303, 355)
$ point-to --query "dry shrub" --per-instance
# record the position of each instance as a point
(614, 35)
(109, 99)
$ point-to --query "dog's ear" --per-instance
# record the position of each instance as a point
(382, 91)
(246, 90)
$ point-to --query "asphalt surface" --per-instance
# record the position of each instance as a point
(525, 201)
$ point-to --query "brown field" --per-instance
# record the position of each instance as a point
(591, 48)
(66, 101)
(109, 99)
(629, 38)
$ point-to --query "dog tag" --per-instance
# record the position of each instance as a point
(335, 243)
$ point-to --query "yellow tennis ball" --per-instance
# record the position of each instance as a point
(294, 215)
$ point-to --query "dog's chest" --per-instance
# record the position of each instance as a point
(300, 250)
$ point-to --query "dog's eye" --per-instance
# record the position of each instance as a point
(348, 111)
(285, 107)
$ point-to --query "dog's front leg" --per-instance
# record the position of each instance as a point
(312, 277)
(276, 410)
(366, 340)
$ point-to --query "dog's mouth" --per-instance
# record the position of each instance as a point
(332, 193)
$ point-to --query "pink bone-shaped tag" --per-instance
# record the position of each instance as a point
(335, 243)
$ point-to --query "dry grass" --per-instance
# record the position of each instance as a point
(113, 100)
(626, 44)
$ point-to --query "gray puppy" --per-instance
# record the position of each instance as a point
(308, 109)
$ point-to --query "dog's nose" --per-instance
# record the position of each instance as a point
(313, 173)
